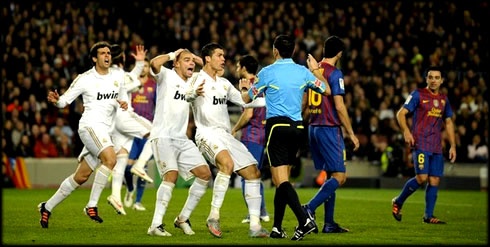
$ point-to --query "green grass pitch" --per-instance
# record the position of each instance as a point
(366, 212)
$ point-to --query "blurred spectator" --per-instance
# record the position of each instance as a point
(477, 150)
(60, 123)
(45, 45)
(45, 148)
(25, 148)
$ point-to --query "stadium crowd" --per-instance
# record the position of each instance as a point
(45, 45)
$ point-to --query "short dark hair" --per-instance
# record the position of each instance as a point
(332, 46)
(96, 46)
(285, 45)
(435, 68)
(117, 54)
(250, 63)
(208, 50)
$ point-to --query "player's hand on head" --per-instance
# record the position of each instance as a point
(312, 63)
(200, 89)
(177, 52)
(53, 97)
(197, 59)
(140, 53)
(123, 104)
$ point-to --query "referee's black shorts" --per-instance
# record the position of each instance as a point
(283, 138)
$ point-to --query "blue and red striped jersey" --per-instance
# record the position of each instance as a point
(321, 107)
(143, 100)
(254, 130)
(429, 111)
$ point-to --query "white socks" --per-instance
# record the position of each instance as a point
(118, 175)
(99, 183)
(145, 155)
(253, 198)
(221, 183)
(164, 194)
(196, 191)
(67, 186)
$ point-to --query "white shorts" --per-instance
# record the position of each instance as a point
(131, 124)
(95, 139)
(176, 155)
(211, 141)
(121, 141)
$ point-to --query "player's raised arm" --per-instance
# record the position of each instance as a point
(322, 87)
(160, 60)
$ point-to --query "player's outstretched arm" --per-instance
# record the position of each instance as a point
(76, 88)
(160, 60)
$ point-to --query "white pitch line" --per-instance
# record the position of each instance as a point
(411, 201)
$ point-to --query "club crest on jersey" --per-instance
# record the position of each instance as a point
(436, 103)
(104, 140)
(443, 102)
(425, 101)
(225, 87)
(116, 83)
(150, 89)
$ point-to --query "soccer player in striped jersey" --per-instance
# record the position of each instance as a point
(326, 115)
(252, 124)
(430, 110)
(143, 103)
(103, 93)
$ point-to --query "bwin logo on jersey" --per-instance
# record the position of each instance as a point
(219, 101)
(178, 95)
(112, 95)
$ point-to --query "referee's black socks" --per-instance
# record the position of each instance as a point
(285, 193)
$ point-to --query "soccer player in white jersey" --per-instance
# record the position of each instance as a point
(128, 124)
(102, 92)
(174, 153)
(214, 139)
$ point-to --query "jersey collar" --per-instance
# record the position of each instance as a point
(284, 61)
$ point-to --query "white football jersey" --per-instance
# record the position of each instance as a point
(211, 110)
(131, 82)
(99, 94)
(171, 109)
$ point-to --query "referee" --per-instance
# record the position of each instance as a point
(284, 83)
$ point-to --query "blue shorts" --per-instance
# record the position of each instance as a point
(327, 148)
(136, 148)
(428, 163)
(257, 151)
